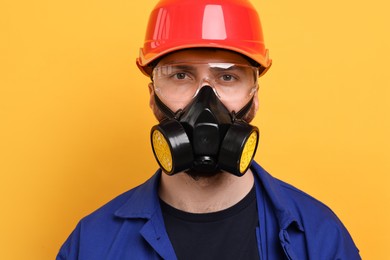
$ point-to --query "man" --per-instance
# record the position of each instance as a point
(209, 200)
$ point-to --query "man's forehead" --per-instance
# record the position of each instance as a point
(206, 55)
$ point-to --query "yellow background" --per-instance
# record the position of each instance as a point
(75, 121)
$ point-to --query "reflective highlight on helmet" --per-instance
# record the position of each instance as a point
(213, 25)
(162, 150)
(182, 81)
(248, 152)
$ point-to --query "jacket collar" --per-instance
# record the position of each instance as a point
(144, 200)
(274, 189)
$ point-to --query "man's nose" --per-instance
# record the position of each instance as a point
(208, 82)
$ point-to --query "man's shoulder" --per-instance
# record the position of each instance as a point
(94, 234)
(106, 213)
(300, 213)
(286, 196)
(321, 225)
(131, 200)
(306, 210)
(302, 201)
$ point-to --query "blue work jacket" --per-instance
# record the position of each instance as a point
(292, 225)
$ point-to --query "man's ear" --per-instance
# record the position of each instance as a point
(152, 103)
(256, 99)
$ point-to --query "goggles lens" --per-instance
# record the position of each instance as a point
(181, 82)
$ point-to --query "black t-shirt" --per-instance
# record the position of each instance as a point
(226, 234)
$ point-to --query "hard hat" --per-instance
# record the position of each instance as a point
(181, 24)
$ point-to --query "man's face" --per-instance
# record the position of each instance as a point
(200, 73)
(179, 76)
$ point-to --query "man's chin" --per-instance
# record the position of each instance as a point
(197, 174)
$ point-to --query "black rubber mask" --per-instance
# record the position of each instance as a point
(204, 137)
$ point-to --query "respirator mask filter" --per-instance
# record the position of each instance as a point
(204, 137)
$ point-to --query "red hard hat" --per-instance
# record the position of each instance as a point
(181, 24)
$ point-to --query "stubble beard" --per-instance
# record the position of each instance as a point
(198, 175)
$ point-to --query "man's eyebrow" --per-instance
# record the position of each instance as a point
(173, 68)
(181, 66)
(233, 67)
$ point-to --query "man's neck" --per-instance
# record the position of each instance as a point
(204, 195)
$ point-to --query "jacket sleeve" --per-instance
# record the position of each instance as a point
(70, 249)
(337, 243)
(327, 238)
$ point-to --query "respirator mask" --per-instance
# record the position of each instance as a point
(204, 137)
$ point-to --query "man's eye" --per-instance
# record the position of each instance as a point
(180, 75)
(227, 77)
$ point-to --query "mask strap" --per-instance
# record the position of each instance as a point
(166, 110)
(243, 111)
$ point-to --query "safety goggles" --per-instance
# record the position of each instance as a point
(182, 81)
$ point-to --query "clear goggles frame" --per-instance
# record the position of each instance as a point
(182, 81)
